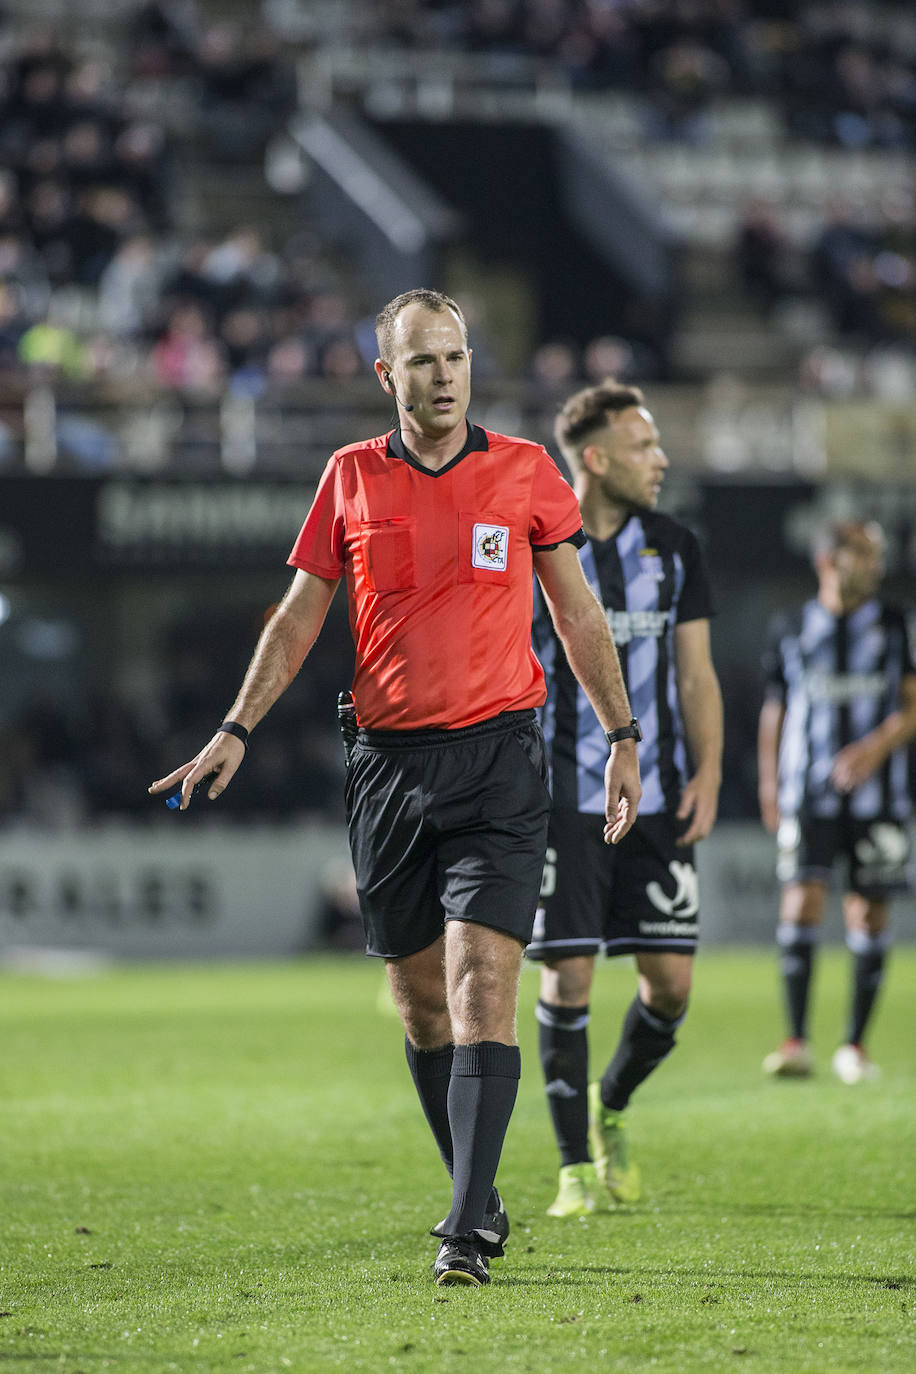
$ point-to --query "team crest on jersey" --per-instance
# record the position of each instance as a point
(650, 564)
(491, 547)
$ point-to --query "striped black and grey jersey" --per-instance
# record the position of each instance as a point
(837, 677)
(649, 577)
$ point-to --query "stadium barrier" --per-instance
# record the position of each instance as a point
(128, 892)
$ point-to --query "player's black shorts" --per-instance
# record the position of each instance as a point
(447, 825)
(875, 854)
(639, 896)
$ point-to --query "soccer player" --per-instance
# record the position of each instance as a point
(640, 898)
(839, 710)
(436, 528)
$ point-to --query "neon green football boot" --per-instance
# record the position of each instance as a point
(578, 1193)
(607, 1139)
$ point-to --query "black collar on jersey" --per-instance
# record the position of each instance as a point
(476, 442)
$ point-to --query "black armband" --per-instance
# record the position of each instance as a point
(232, 727)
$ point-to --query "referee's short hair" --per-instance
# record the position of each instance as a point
(419, 295)
(589, 410)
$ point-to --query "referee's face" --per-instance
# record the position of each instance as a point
(634, 461)
(431, 368)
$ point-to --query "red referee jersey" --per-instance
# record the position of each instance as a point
(439, 573)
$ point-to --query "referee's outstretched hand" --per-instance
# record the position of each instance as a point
(622, 790)
(216, 763)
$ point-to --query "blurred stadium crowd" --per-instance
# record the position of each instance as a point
(836, 72)
(104, 277)
(99, 280)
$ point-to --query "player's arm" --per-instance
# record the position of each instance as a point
(858, 761)
(581, 624)
(769, 732)
(278, 656)
(701, 706)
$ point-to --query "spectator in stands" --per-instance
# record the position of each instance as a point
(163, 37)
(340, 360)
(688, 76)
(129, 288)
(105, 216)
(48, 215)
(142, 165)
(289, 361)
(246, 89)
(187, 356)
(13, 324)
(610, 356)
(554, 368)
(762, 253)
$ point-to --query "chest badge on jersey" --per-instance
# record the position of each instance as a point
(650, 564)
(491, 547)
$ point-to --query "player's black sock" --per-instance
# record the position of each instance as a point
(481, 1096)
(798, 945)
(869, 955)
(431, 1071)
(645, 1039)
(563, 1048)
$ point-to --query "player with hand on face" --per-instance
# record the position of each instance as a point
(642, 897)
(839, 711)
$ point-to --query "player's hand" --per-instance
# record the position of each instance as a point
(699, 804)
(221, 757)
(855, 763)
(622, 790)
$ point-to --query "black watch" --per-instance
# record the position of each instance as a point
(631, 731)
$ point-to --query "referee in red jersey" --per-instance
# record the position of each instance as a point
(437, 528)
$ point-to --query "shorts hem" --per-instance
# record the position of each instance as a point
(562, 949)
(613, 948)
(808, 875)
(379, 954)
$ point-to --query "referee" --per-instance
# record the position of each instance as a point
(436, 529)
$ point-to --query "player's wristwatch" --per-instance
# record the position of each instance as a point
(631, 731)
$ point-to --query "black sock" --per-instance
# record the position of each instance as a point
(645, 1039)
(431, 1071)
(563, 1048)
(869, 955)
(481, 1096)
(798, 945)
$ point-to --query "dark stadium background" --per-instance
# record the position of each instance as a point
(201, 207)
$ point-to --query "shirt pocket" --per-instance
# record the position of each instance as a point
(389, 550)
(485, 548)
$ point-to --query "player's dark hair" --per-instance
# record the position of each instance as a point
(589, 410)
(420, 295)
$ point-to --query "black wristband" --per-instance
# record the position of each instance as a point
(232, 727)
(631, 731)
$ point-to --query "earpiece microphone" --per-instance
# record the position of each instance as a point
(393, 392)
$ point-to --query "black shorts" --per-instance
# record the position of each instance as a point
(875, 853)
(639, 896)
(447, 825)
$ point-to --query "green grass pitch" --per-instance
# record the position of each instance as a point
(225, 1168)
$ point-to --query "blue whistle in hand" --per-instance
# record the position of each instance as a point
(173, 798)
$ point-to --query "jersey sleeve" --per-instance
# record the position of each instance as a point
(555, 515)
(319, 548)
(695, 601)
